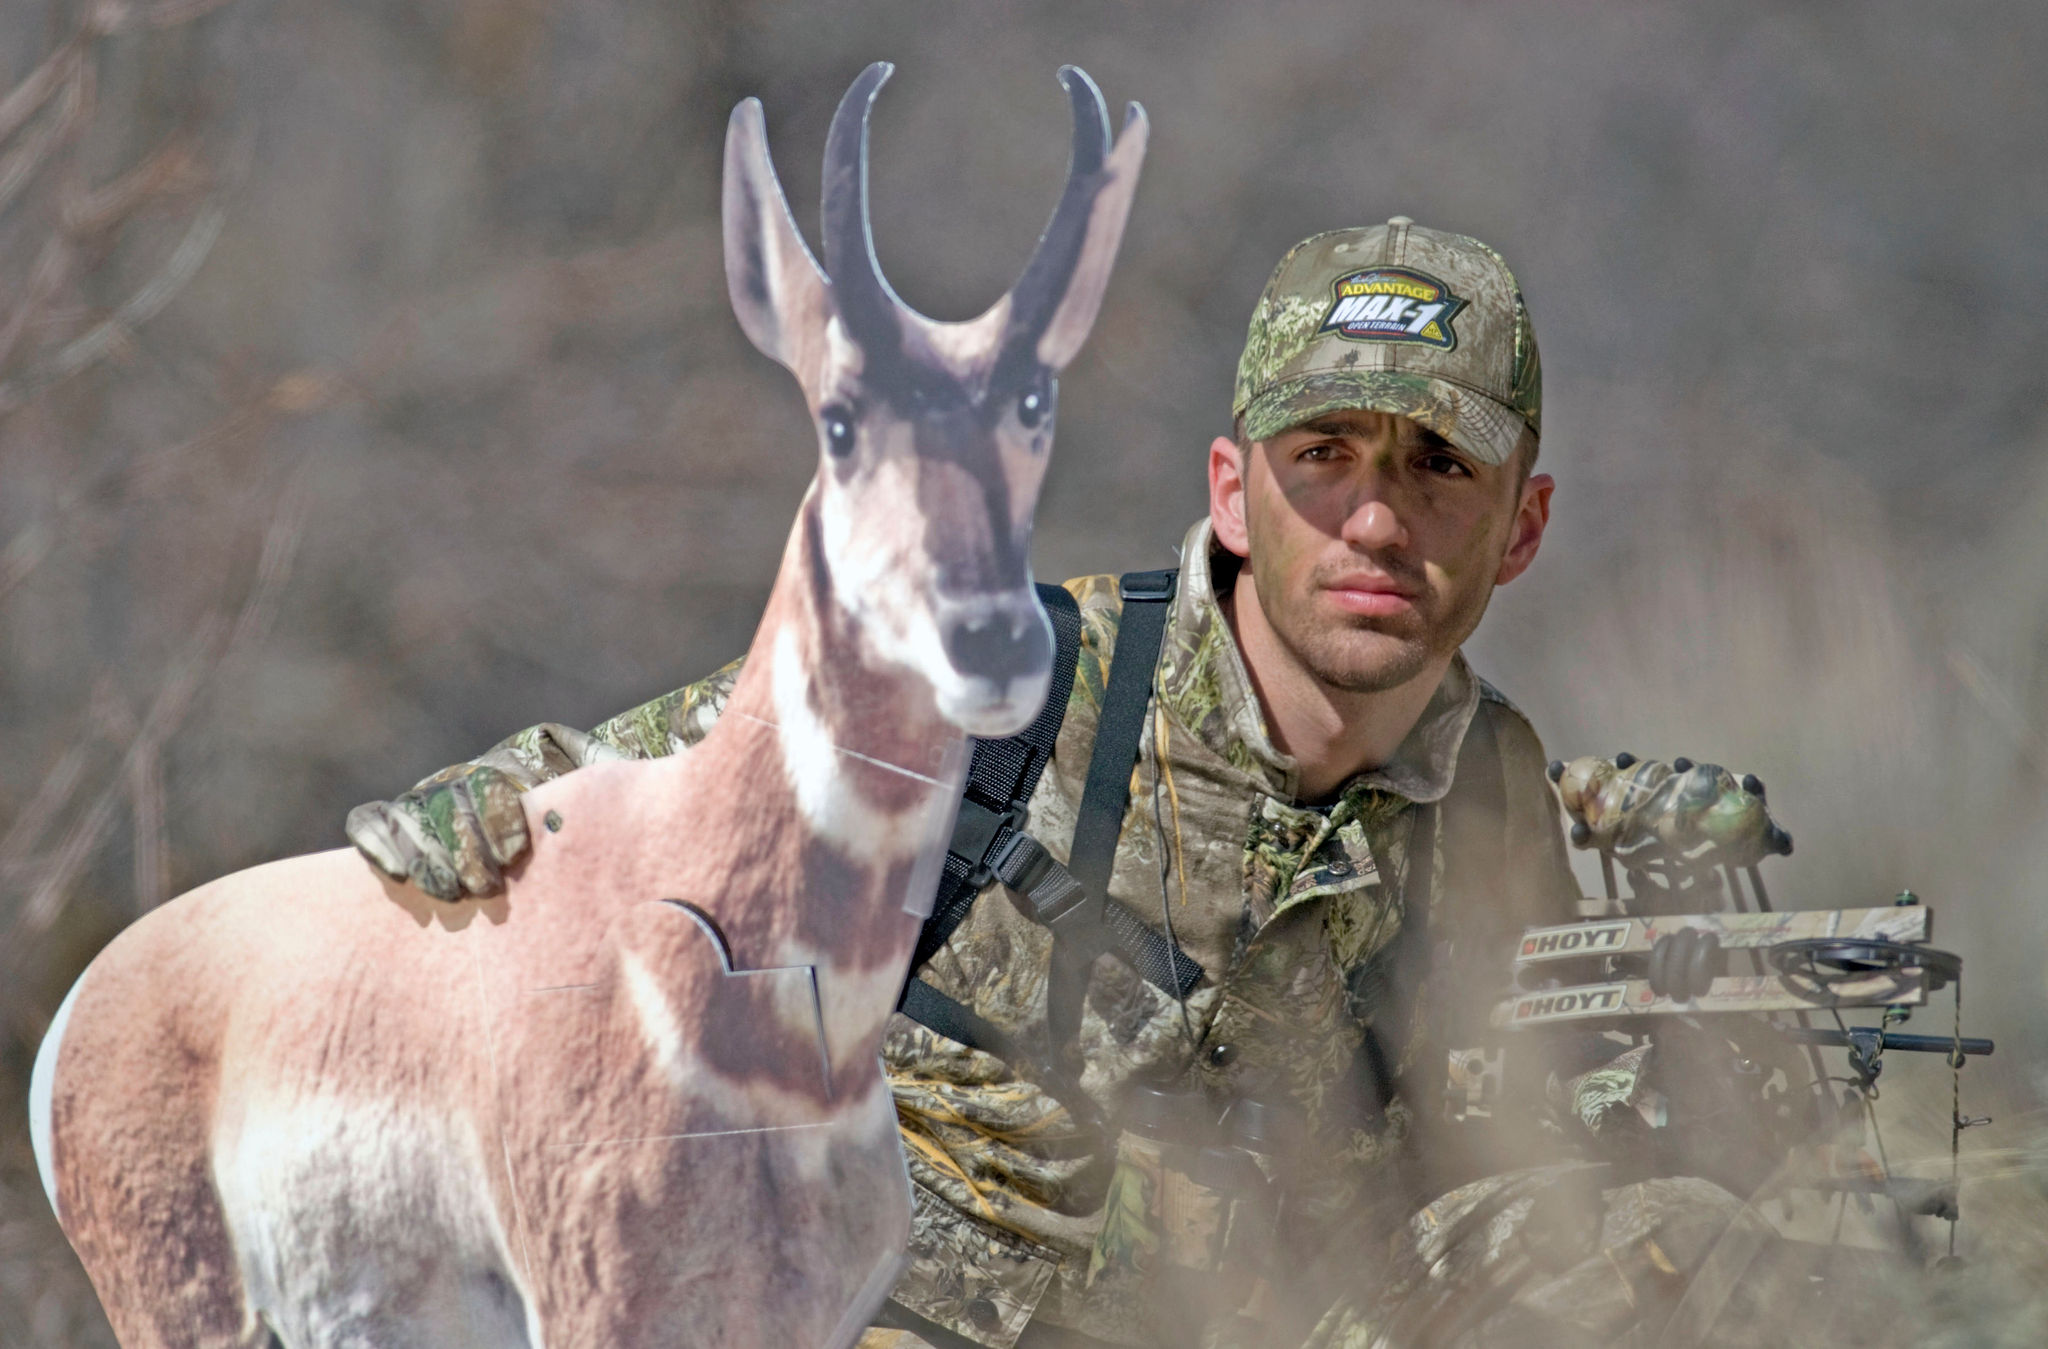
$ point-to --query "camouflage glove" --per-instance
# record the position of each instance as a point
(452, 838)
(454, 834)
(1654, 815)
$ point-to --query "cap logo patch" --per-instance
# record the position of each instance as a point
(1393, 304)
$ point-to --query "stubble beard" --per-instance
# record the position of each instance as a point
(1362, 654)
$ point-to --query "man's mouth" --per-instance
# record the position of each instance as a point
(1371, 596)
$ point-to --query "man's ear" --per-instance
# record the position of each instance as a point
(1228, 465)
(1525, 535)
(779, 292)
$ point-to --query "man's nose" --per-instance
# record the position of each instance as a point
(1373, 523)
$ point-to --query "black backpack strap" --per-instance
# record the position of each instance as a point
(1082, 930)
(1001, 776)
(989, 842)
(1024, 865)
(958, 1022)
(1147, 596)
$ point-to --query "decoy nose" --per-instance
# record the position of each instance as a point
(999, 643)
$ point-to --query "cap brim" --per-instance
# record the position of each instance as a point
(1476, 424)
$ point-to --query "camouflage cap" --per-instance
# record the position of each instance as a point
(1394, 318)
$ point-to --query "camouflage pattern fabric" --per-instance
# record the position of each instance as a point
(1287, 906)
(456, 830)
(1597, 1097)
(879, 1338)
(1395, 318)
(1568, 1256)
(1550, 1256)
(1651, 815)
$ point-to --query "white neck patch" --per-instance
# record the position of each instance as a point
(831, 803)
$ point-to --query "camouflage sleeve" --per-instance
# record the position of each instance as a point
(1101, 611)
(1560, 1254)
(457, 830)
(1543, 886)
(530, 757)
(673, 722)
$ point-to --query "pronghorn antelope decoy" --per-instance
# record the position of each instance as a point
(636, 1099)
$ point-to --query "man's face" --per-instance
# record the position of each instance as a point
(1372, 543)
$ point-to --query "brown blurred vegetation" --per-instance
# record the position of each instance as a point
(367, 391)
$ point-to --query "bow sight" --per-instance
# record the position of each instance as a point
(1693, 971)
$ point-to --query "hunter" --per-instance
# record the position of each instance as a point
(1333, 818)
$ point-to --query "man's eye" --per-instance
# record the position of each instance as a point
(1319, 454)
(1447, 465)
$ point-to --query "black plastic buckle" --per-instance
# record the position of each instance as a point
(1148, 585)
(1034, 869)
(975, 832)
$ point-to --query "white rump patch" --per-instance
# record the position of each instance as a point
(42, 1087)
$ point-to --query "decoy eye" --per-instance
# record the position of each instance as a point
(1033, 406)
(838, 423)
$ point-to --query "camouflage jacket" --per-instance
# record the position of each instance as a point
(1291, 910)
